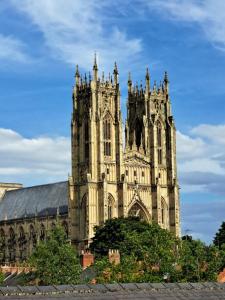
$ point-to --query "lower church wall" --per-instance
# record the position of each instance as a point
(19, 237)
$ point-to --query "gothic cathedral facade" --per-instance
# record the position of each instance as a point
(111, 179)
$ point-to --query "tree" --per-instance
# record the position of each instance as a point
(219, 239)
(200, 262)
(55, 260)
(152, 254)
(153, 250)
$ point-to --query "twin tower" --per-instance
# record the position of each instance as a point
(110, 178)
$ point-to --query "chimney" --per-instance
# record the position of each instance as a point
(114, 256)
(86, 259)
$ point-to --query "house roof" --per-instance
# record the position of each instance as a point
(131, 291)
(38, 200)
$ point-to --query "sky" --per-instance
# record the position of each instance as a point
(42, 41)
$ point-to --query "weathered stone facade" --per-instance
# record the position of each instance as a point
(26, 217)
(108, 181)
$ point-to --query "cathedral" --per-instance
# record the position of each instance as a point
(111, 177)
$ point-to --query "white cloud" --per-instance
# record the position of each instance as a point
(201, 159)
(40, 159)
(12, 49)
(208, 14)
(73, 30)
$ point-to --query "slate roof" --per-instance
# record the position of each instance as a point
(131, 291)
(38, 200)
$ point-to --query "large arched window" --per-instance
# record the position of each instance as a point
(2, 245)
(159, 135)
(137, 211)
(107, 137)
(138, 132)
(42, 232)
(83, 217)
(32, 237)
(111, 206)
(65, 227)
(22, 243)
(164, 212)
(12, 245)
(159, 143)
(86, 140)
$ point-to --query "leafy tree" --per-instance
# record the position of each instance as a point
(153, 250)
(219, 239)
(55, 260)
(150, 253)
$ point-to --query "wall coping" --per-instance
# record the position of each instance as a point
(88, 289)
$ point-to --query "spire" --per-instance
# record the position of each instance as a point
(147, 82)
(77, 75)
(116, 73)
(166, 83)
(129, 82)
(95, 69)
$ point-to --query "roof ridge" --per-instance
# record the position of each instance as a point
(35, 186)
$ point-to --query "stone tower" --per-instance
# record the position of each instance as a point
(150, 156)
(97, 153)
(108, 181)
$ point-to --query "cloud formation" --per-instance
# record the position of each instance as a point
(74, 30)
(208, 14)
(34, 160)
(201, 159)
(12, 49)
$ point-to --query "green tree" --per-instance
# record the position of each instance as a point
(55, 260)
(150, 253)
(154, 251)
(219, 239)
(200, 262)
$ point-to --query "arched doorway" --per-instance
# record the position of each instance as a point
(137, 210)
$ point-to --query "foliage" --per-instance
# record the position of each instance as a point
(150, 253)
(2, 277)
(55, 260)
(219, 239)
(129, 235)
(200, 262)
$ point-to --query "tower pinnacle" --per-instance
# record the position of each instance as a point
(147, 82)
(116, 73)
(95, 68)
(129, 83)
(166, 83)
(77, 75)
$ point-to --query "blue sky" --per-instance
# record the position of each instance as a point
(42, 41)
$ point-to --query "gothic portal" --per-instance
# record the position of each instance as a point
(110, 180)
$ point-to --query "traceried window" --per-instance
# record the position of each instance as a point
(159, 135)
(159, 143)
(137, 211)
(163, 211)
(86, 140)
(159, 156)
(111, 204)
(84, 217)
(107, 137)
